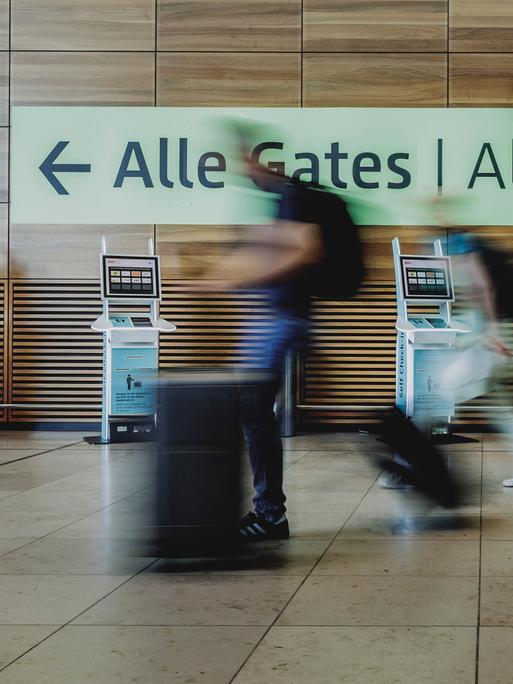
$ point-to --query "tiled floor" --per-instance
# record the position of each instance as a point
(374, 587)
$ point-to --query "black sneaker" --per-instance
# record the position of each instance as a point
(253, 528)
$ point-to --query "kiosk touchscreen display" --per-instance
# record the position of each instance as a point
(426, 278)
(131, 276)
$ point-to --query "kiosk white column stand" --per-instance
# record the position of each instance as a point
(425, 342)
(130, 345)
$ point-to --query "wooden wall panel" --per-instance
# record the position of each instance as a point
(82, 78)
(186, 251)
(375, 25)
(481, 80)
(33, 252)
(228, 79)
(377, 242)
(477, 26)
(351, 362)
(4, 164)
(4, 348)
(212, 328)
(226, 25)
(83, 25)
(4, 88)
(4, 24)
(368, 80)
(56, 357)
(4, 240)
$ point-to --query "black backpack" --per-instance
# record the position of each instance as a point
(340, 273)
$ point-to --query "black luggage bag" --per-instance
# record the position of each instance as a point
(198, 463)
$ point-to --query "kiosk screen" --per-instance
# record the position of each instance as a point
(426, 278)
(130, 276)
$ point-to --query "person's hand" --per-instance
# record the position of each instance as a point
(495, 342)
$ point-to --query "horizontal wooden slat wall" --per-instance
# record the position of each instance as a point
(289, 53)
(213, 329)
(4, 344)
(56, 358)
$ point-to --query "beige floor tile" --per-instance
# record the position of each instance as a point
(121, 446)
(116, 655)
(339, 441)
(297, 479)
(10, 455)
(4, 493)
(495, 655)
(363, 655)
(10, 544)
(493, 441)
(384, 601)
(451, 526)
(194, 600)
(386, 501)
(497, 558)
(17, 639)
(401, 557)
(293, 456)
(353, 461)
(318, 516)
(51, 600)
(497, 601)
(104, 525)
(42, 502)
(98, 480)
(497, 527)
(25, 439)
(72, 557)
(33, 524)
(288, 557)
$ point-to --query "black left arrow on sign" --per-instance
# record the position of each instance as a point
(49, 168)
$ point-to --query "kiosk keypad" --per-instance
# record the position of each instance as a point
(426, 282)
(142, 322)
(130, 280)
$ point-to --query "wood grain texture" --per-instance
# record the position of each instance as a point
(481, 80)
(225, 25)
(226, 79)
(477, 26)
(368, 80)
(4, 88)
(186, 251)
(82, 78)
(4, 240)
(4, 164)
(83, 25)
(50, 251)
(54, 364)
(377, 241)
(375, 25)
(4, 24)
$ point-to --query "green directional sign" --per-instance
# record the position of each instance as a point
(181, 165)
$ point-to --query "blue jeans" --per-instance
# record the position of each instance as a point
(258, 419)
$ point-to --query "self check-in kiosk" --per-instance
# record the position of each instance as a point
(131, 325)
(426, 338)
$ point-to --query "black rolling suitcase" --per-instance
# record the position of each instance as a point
(198, 463)
(426, 468)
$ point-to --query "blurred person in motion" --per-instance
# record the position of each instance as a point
(481, 362)
(485, 273)
(311, 248)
